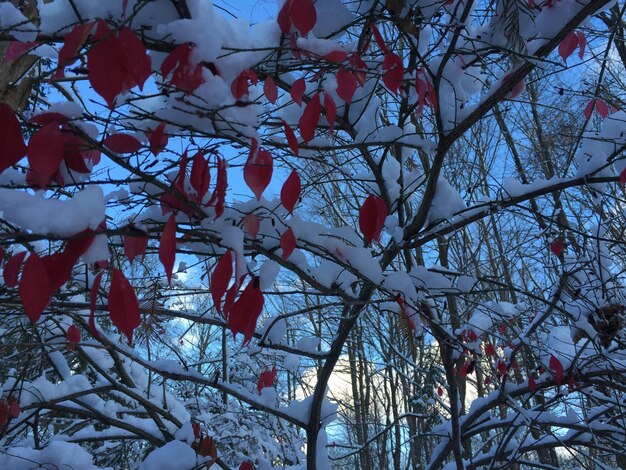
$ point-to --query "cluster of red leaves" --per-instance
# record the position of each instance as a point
(597, 104)
(241, 314)
(300, 14)
(573, 40)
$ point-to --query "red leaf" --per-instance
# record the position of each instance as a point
(246, 311)
(284, 19)
(35, 290)
(257, 172)
(123, 305)
(589, 109)
(331, 112)
(72, 43)
(200, 178)
(572, 384)
(251, 224)
(135, 246)
(602, 108)
(220, 188)
(557, 367)
(622, 176)
(568, 45)
(116, 62)
(247, 465)
(346, 84)
(167, 247)
(532, 385)
(12, 269)
(12, 146)
(303, 15)
(158, 139)
(290, 192)
(14, 407)
(502, 368)
(582, 43)
(73, 337)
(182, 174)
(557, 246)
(186, 75)
(46, 150)
(297, 90)
(270, 90)
(393, 72)
(17, 49)
(93, 297)
(490, 350)
(122, 143)
(379, 40)
(336, 57)
(440, 391)
(239, 86)
(266, 379)
(292, 140)
(310, 117)
(287, 243)
(372, 217)
(220, 279)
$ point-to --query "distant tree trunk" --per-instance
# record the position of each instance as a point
(15, 84)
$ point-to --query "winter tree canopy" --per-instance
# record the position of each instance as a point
(312, 234)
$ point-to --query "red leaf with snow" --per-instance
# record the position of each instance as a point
(123, 305)
(490, 350)
(12, 269)
(17, 49)
(117, 62)
(379, 40)
(287, 243)
(157, 138)
(73, 337)
(568, 46)
(135, 246)
(557, 246)
(284, 18)
(331, 112)
(167, 247)
(532, 385)
(186, 75)
(346, 84)
(310, 117)
(251, 224)
(266, 379)
(372, 217)
(303, 15)
(290, 192)
(46, 149)
(200, 177)
(246, 310)
(257, 172)
(12, 147)
(292, 140)
(35, 290)
(122, 143)
(220, 278)
(582, 43)
(270, 90)
(557, 367)
(393, 72)
(297, 90)
(72, 43)
(95, 287)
